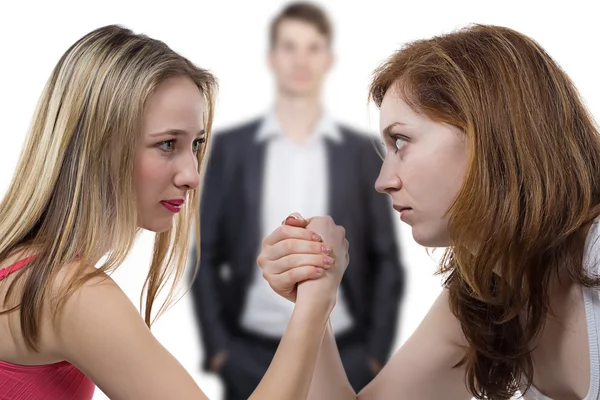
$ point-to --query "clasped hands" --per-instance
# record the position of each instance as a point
(295, 256)
(305, 258)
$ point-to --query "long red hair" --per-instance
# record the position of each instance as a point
(532, 184)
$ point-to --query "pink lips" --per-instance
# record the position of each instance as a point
(402, 210)
(173, 205)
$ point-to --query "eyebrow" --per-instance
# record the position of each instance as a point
(387, 130)
(177, 132)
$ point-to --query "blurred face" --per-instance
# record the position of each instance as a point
(423, 169)
(166, 164)
(300, 58)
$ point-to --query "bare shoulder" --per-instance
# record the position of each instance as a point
(99, 298)
(100, 331)
(13, 347)
(89, 303)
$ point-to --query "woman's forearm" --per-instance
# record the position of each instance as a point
(329, 379)
(290, 373)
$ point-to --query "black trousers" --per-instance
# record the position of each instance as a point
(249, 356)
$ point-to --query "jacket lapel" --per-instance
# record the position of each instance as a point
(339, 176)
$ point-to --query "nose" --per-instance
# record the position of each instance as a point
(302, 57)
(187, 176)
(388, 180)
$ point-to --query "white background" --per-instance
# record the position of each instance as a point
(230, 39)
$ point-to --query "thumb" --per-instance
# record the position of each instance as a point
(295, 219)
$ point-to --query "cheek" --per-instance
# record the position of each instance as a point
(432, 178)
(321, 66)
(284, 64)
(149, 171)
(420, 171)
(449, 178)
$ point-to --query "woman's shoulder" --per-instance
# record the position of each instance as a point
(84, 287)
(67, 298)
(76, 286)
(101, 332)
(95, 304)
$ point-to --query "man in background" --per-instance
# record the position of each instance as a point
(295, 158)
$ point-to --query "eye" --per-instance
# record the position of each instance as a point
(197, 143)
(167, 145)
(315, 48)
(400, 142)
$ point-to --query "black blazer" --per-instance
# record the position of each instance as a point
(231, 236)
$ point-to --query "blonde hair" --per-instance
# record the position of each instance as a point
(74, 181)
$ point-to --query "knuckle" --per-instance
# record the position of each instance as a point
(286, 230)
(319, 261)
(293, 275)
(292, 261)
(288, 279)
(288, 246)
(320, 219)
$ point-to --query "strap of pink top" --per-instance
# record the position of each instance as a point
(4, 272)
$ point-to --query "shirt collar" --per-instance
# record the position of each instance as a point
(326, 127)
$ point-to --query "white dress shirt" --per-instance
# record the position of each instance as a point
(295, 180)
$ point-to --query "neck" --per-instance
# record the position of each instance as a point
(298, 115)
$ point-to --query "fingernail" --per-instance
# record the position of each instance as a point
(316, 238)
(319, 271)
(326, 249)
(290, 217)
(328, 260)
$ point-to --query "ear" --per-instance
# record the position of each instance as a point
(332, 60)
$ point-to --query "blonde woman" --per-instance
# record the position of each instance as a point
(115, 146)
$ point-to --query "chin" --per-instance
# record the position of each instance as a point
(429, 238)
(161, 229)
(157, 226)
(299, 90)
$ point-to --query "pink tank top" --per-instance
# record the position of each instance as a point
(59, 381)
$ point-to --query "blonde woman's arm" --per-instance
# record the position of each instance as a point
(101, 332)
(290, 373)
